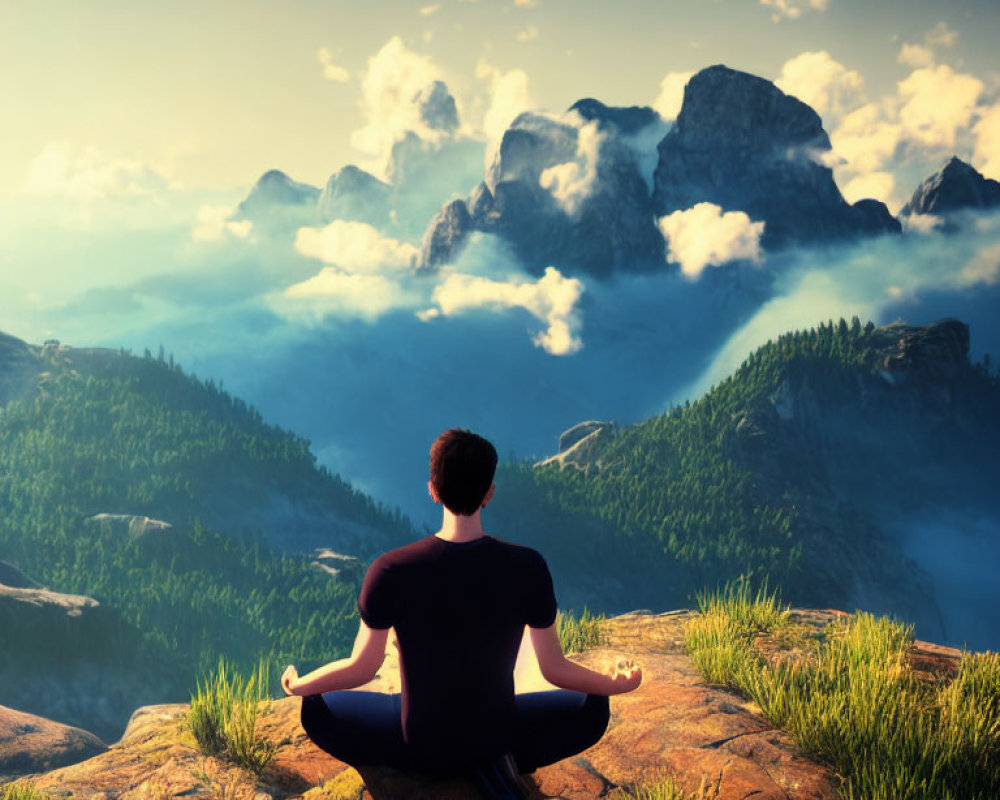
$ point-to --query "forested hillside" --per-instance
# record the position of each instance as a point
(177, 508)
(792, 468)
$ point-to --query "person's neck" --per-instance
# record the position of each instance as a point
(459, 528)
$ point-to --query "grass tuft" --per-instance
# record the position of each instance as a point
(223, 716)
(664, 789)
(854, 703)
(21, 790)
(577, 634)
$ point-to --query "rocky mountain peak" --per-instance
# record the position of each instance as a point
(726, 108)
(741, 143)
(956, 186)
(437, 107)
(628, 119)
(275, 190)
(353, 194)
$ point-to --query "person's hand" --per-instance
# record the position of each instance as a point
(626, 676)
(289, 678)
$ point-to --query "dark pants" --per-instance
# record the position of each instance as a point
(364, 728)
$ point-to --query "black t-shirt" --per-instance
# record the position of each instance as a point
(459, 610)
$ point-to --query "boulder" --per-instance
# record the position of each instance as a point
(30, 744)
(742, 144)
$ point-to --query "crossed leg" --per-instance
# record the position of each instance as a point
(363, 728)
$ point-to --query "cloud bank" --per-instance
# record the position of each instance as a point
(703, 235)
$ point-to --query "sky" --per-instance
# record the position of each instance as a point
(131, 131)
(209, 95)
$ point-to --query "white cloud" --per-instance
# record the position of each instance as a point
(987, 132)
(91, 174)
(332, 71)
(937, 102)
(526, 3)
(509, 96)
(529, 34)
(704, 235)
(922, 55)
(819, 81)
(984, 267)
(426, 11)
(792, 9)
(573, 182)
(915, 55)
(215, 224)
(877, 185)
(921, 223)
(551, 299)
(395, 77)
(333, 292)
(356, 247)
(930, 117)
(671, 97)
(941, 36)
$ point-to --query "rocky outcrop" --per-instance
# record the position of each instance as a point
(674, 724)
(353, 194)
(446, 235)
(578, 445)
(30, 744)
(934, 353)
(741, 143)
(955, 187)
(596, 219)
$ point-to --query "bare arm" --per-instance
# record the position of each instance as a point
(561, 672)
(347, 673)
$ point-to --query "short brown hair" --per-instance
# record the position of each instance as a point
(462, 468)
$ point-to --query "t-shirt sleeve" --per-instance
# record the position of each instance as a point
(376, 602)
(540, 606)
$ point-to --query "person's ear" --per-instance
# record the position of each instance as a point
(434, 496)
(489, 494)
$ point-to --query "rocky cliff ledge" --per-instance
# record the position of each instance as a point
(674, 724)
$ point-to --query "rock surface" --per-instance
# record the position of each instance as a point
(29, 743)
(954, 187)
(674, 724)
(741, 143)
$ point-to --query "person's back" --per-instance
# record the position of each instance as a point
(461, 612)
(459, 601)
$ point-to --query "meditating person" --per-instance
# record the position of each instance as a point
(459, 601)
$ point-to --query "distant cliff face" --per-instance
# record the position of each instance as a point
(741, 143)
(562, 193)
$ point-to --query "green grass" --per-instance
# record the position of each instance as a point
(854, 703)
(577, 634)
(224, 713)
(21, 790)
(664, 789)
